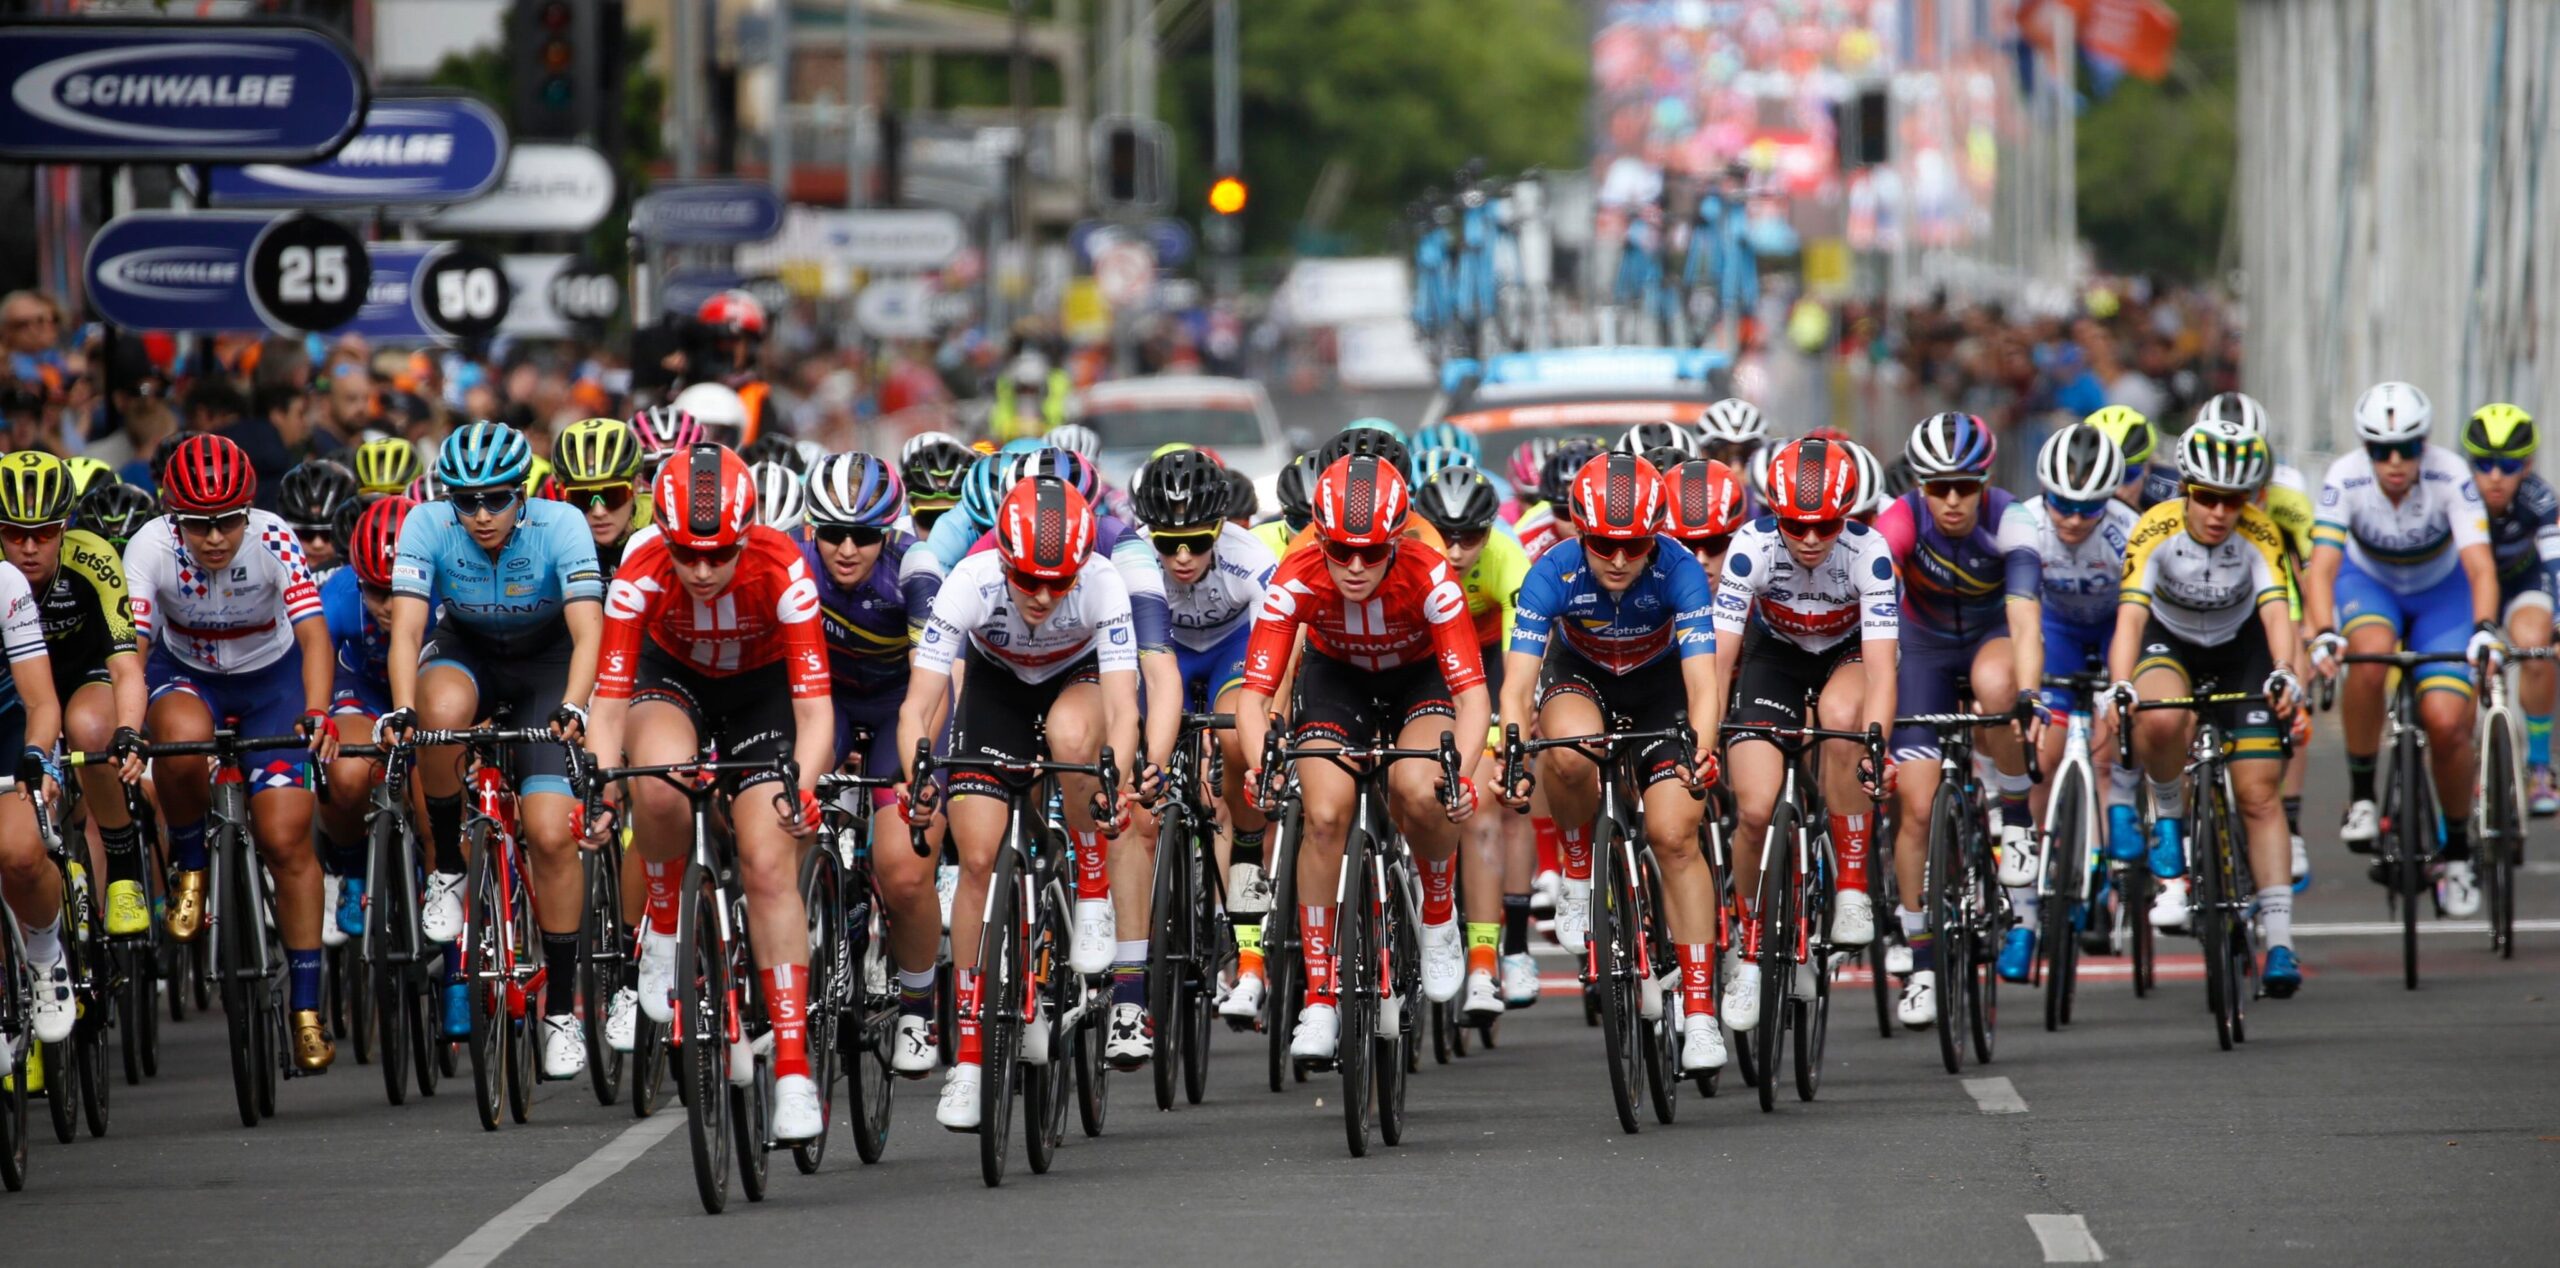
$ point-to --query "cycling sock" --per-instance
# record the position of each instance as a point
(2457, 839)
(2013, 800)
(44, 945)
(1575, 844)
(1249, 948)
(2168, 800)
(124, 852)
(915, 993)
(2293, 814)
(2120, 784)
(1515, 924)
(662, 895)
(559, 973)
(1248, 846)
(2275, 912)
(966, 1049)
(1924, 944)
(302, 971)
(1849, 840)
(2537, 738)
(1315, 938)
(444, 832)
(786, 1001)
(1543, 831)
(1093, 866)
(2022, 900)
(1439, 890)
(1697, 978)
(2360, 775)
(186, 841)
(339, 858)
(1483, 937)
(1129, 973)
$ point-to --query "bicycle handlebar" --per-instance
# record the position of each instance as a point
(1599, 747)
(1017, 775)
(2188, 703)
(1376, 757)
(1943, 723)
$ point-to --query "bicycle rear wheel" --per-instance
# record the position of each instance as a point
(2065, 861)
(600, 943)
(2501, 839)
(1357, 988)
(751, 1101)
(1000, 996)
(1942, 887)
(1093, 1073)
(1778, 921)
(2414, 830)
(702, 1036)
(827, 994)
(1045, 1088)
(14, 1006)
(1167, 953)
(86, 956)
(485, 934)
(1612, 970)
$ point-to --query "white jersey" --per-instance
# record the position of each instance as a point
(975, 606)
(1850, 592)
(227, 622)
(1223, 600)
(2080, 582)
(2409, 545)
(21, 622)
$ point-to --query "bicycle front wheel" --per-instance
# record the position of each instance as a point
(2065, 861)
(239, 994)
(702, 1036)
(1168, 951)
(1357, 988)
(1612, 969)
(2212, 916)
(600, 943)
(485, 936)
(2414, 830)
(1778, 937)
(828, 995)
(2501, 836)
(1000, 997)
(1943, 899)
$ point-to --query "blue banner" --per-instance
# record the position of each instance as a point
(412, 151)
(707, 213)
(390, 313)
(200, 92)
(178, 271)
(684, 290)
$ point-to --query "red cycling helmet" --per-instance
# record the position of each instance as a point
(1704, 499)
(1044, 528)
(733, 313)
(705, 498)
(1617, 497)
(1361, 501)
(208, 475)
(1813, 480)
(376, 540)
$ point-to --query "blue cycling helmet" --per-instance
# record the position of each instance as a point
(1951, 446)
(1065, 465)
(1449, 436)
(1027, 444)
(1431, 462)
(854, 490)
(1374, 424)
(983, 490)
(483, 454)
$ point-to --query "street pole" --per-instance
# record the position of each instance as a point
(857, 76)
(685, 59)
(1017, 185)
(778, 127)
(1227, 149)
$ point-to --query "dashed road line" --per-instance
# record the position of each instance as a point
(1995, 1096)
(2065, 1238)
(509, 1226)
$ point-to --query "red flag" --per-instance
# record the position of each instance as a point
(2139, 35)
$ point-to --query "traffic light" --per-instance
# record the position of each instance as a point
(559, 63)
(1227, 195)
(1128, 161)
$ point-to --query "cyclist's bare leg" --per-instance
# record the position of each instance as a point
(2160, 736)
(1995, 690)
(280, 822)
(449, 698)
(1480, 862)
(1753, 769)
(2537, 681)
(769, 873)
(2254, 787)
(1570, 780)
(27, 878)
(350, 783)
(2447, 715)
(904, 881)
(1843, 707)
(1413, 792)
(2360, 697)
(657, 734)
(559, 897)
(1324, 798)
(977, 829)
(1688, 888)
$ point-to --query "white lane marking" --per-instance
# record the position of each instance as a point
(2065, 1239)
(509, 1226)
(1995, 1096)
(2379, 928)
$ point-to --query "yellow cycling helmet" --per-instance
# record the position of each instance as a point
(386, 465)
(85, 474)
(2132, 433)
(1170, 447)
(35, 489)
(2499, 431)
(597, 451)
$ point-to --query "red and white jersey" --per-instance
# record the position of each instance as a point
(221, 621)
(977, 608)
(769, 613)
(1540, 528)
(1417, 611)
(1850, 592)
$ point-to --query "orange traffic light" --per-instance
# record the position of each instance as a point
(1226, 197)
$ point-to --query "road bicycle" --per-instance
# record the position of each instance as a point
(2498, 801)
(2217, 846)
(1189, 941)
(1961, 895)
(402, 965)
(853, 1002)
(2412, 832)
(19, 1062)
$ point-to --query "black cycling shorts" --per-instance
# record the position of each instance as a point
(1775, 676)
(529, 684)
(1000, 717)
(1350, 706)
(2240, 664)
(745, 717)
(1650, 698)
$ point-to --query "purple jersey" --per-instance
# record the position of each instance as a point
(1955, 591)
(867, 625)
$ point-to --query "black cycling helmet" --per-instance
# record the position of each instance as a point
(935, 472)
(1297, 492)
(1364, 442)
(115, 512)
(1457, 501)
(1898, 479)
(160, 454)
(1569, 458)
(311, 493)
(772, 448)
(1180, 489)
(1243, 500)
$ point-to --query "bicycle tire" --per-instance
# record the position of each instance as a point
(484, 968)
(1000, 988)
(1093, 1073)
(137, 1008)
(827, 995)
(2237, 950)
(2209, 914)
(702, 1040)
(750, 1103)
(239, 1009)
(2501, 845)
(1886, 902)
(1045, 1088)
(1611, 964)
(1810, 1015)
(650, 1054)
(15, 1000)
(84, 952)
(1356, 991)
(1778, 915)
(1168, 951)
(2140, 888)
(520, 996)
(426, 1049)
(2414, 831)
(391, 1026)
(873, 1034)
(1283, 971)
(197, 964)
(1942, 886)
(600, 943)
(1662, 1053)
(2065, 862)
(1397, 1055)
(1986, 922)
(1213, 948)
(350, 999)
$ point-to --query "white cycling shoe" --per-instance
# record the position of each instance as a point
(2457, 889)
(1918, 1007)
(1244, 998)
(1897, 960)
(1132, 1038)
(1318, 1029)
(564, 1046)
(1701, 1044)
(2169, 910)
(330, 934)
(56, 1011)
(1853, 922)
(622, 1020)
(2017, 855)
(1573, 914)
(2362, 824)
(1484, 996)
(1444, 961)
(914, 1052)
(1520, 984)
(946, 882)
(440, 909)
(1742, 996)
(796, 1116)
(958, 1108)
(658, 976)
(2301, 858)
(1095, 937)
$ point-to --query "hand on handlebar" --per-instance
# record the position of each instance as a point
(1150, 783)
(1458, 799)
(2488, 647)
(397, 726)
(1111, 814)
(800, 814)
(1705, 769)
(569, 722)
(2326, 647)
(2119, 698)
(918, 799)
(2284, 692)
(1877, 779)
(322, 731)
(127, 747)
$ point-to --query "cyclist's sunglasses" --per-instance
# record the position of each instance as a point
(1949, 490)
(379, 594)
(491, 501)
(309, 532)
(1712, 543)
(2089, 510)
(692, 558)
(21, 534)
(2405, 450)
(2216, 499)
(1812, 530)
(1469, 541)
(1037, 587)
(1617, 551)
(1366, 556)
(2501, 466)
(208, 525)
(608, 497)
(859, 535)
(1200, 543)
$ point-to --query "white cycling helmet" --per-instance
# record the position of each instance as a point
(2218, 455)
(1733, 421)
(2393, 412)
(2238, 408)
(1870, 479)
(1758, 473)
(780, 496)
(2081, 464)
(916, 444)
(1644, 438)
(1075, 438)
(718, 408)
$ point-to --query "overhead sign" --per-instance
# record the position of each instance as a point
(546, 189)
(221, 271)
(707, 213)
(198, 92)
(896, 308)
(463, 291)
(684, 289)
(1170, 238)
(412, 151)
(390, 313)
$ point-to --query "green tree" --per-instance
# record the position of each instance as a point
(2156, 161)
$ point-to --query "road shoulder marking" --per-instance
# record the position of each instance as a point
(509, 1226)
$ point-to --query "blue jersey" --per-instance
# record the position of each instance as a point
(869, 626)
(361, 646)
(1668, 606)
(512, 602)
(2525, 538)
